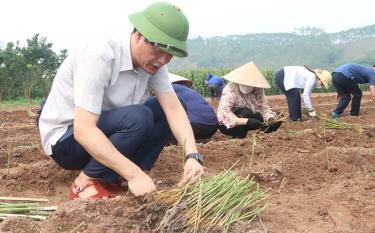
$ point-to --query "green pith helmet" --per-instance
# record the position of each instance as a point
(164, 24)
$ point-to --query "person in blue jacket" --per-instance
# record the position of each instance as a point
(201, 115)
(215, 86)
(345, 79)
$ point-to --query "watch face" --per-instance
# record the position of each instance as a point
(200, 157)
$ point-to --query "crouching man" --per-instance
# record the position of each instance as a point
(95, 118)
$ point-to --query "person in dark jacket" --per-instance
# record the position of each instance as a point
(201, 115)
(345, 79)
(215, 86)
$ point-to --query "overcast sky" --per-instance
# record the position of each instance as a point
(66, 23)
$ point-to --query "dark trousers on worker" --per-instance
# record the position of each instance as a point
(202, 131)
(139, 132)
(293, 97)
(345, 88)
(240, 131)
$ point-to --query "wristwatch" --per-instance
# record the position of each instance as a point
(197, 156)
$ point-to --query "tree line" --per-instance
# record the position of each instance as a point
(27, 72)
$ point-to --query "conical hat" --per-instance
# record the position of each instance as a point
(324, 76)
(177, 78)
(248, 75)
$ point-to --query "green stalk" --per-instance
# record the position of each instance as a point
(252, 152)
(23, 199)
(33, 217)
(19, 205)
(17, 210)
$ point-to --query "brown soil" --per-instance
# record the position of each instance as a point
(317, 182)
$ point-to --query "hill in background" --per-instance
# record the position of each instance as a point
(305, 46)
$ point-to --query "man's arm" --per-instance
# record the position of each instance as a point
(181, 129)
(98, 146)
(372, 90)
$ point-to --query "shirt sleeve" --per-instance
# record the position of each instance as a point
(90, 80)
(160, 81)
(307, 90)
(224, 112)
(263, 105)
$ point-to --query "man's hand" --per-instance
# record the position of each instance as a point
(141, 184)
(192, 168)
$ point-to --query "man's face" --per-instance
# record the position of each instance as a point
(150, 57)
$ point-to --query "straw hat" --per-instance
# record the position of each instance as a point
(248, 75)
(324, 76)
(177, 78)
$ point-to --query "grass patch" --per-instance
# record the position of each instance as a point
(19, 102)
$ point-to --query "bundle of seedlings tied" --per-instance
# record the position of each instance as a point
(330, 123)
(211, 204)
(24, 207)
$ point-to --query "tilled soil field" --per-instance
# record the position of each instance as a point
(317, 181)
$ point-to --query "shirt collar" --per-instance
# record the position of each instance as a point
(126, 58)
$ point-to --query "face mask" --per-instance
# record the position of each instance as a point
(246, 89)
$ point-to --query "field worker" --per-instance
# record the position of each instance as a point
(215, 86)
(95, 118)
(291, 79)
(201, 115)
(345, 79)
(243, 105)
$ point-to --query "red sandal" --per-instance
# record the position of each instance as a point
(102, 193)
(116, 187)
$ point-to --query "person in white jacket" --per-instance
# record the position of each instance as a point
(290, 79)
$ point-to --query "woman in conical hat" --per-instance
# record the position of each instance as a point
(291, 79)
(243, 105)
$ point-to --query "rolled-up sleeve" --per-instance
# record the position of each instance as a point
(224, 112)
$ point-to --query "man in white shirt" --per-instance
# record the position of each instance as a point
(95, 118)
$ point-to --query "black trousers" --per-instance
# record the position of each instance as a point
(202, 131)
(240, 131)
(346, 88)
(293, 97)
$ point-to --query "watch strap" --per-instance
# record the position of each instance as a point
(197, 156)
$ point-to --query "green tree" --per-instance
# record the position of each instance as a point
(27, 72)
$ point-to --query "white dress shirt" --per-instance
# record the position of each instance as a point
(98, 77)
